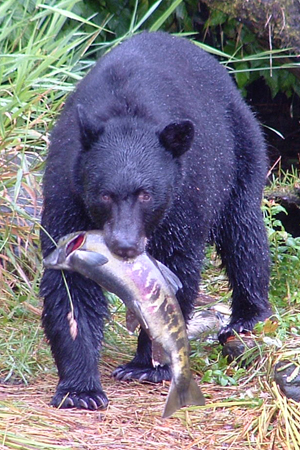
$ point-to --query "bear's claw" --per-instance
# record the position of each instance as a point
(82, 400)
(129, 372)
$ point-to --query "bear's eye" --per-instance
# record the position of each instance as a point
(144, 196)
(105, 198)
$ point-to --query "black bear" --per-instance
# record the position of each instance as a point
(156, 148)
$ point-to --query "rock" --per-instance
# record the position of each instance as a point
(287, 377)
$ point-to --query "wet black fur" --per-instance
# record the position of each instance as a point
(155, 143)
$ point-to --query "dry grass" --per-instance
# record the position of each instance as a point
(230, 420)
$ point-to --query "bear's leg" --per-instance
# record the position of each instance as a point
(241, 241)
(76, 356)
(141, 367)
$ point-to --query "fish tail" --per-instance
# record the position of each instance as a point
(176, 399)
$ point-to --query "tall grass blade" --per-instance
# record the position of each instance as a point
(73, 16)
(146, 16)
(159, 22)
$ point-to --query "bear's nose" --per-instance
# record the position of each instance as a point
(125, 249)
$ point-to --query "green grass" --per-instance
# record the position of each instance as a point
(285, 249)
(38, 67)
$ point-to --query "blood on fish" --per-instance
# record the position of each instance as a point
(75, 244)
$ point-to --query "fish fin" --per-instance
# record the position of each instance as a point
(91, 258)
(159, 355)
(132, 322)
(140, 317)
(176, 399)
(172, 279)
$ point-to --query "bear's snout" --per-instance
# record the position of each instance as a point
(125, 248)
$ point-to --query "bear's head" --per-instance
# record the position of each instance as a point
(128, 174)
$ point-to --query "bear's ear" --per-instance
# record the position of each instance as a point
(90, 127)
(177, 137)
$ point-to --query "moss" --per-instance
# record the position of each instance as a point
(282, 16)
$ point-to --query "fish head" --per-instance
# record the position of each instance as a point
(60, 258)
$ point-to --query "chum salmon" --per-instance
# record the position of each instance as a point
(147, 288)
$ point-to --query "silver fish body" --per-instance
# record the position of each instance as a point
(148, 289)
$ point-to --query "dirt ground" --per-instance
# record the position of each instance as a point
(132, 421)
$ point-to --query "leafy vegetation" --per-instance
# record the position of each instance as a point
(285, 249)
(249, 58)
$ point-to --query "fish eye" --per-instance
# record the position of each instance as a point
(144, 196)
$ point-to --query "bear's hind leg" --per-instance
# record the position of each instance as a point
(241, 241)
(141, 367)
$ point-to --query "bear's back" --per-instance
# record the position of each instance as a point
(158, 77)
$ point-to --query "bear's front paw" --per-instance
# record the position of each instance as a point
(91, 400)
(130, 371)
